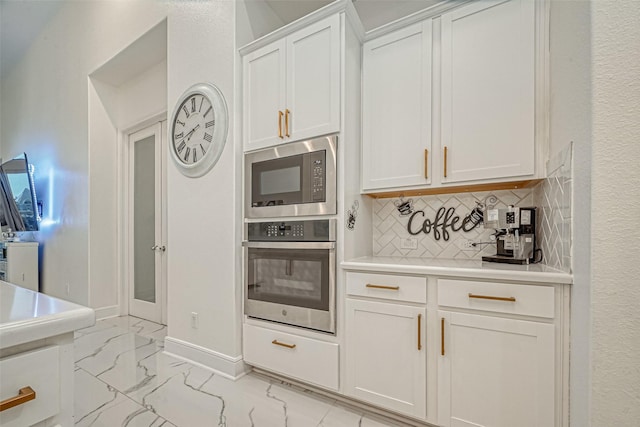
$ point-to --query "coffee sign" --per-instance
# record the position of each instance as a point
(439, 226)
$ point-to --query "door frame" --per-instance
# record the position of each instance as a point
(125, 210)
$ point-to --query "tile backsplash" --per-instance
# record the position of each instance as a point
(552, 197)
(390, 226)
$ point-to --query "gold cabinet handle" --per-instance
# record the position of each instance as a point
(510, 299)
(25, 395)
(445, 161)
(442, 336)
(286, 122)
(419, 331)
(426, 163)
(391, 288)
(281, 344)
(280, 124)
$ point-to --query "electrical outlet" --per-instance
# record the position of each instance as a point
(194, 320)
(68, 289)
(466, 245)
(409, 243)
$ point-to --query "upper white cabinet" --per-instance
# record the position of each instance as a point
(488, 102)
(264, 95)
(467, 80)
(292, 87)
(396, 108)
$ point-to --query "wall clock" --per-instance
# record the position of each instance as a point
(199, 126)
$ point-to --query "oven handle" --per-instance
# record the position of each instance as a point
(290, 245)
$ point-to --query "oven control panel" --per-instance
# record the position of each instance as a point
(322, 230)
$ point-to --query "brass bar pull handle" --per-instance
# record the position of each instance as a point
(442, 336)
(286, 122)
(281, 344)
(426, 163)
(391, 288)
(280, 124)
(445, 161)
(510, 299)
(25, 395)
(419, 331)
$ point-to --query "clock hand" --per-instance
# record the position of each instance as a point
(190, 134)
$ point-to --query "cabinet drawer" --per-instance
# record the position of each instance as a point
(527, 300)
(38, 369)
(298, 357)
(387, 286)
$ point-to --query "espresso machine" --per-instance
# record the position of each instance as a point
(515, 234)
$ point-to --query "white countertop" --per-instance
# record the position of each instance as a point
(536, 273)
(27, 316)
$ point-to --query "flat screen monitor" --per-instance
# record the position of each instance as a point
(20, 176)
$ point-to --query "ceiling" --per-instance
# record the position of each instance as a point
(373, 13)
(21, 21)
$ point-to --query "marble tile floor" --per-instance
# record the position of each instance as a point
(123, 378)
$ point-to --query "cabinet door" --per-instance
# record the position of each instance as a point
(22, 266)
(385, 365)
(495, 372)
(264, 96)
(396, 108)
(313, 80)
(488, 90)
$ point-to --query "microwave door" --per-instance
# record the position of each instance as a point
(278, 182)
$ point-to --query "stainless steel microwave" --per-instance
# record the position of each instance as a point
(292, 179)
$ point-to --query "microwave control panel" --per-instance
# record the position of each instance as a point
(317, 179)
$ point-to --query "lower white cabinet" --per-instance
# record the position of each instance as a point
(386, 355)
(306, 359)
(19, 264)
(32, 381)
(495, 372)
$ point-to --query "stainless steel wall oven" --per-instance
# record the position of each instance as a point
(290, 273)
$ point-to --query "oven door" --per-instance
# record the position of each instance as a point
(291, 283)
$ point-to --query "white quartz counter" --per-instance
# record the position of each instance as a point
(536, 273)
(27, 316)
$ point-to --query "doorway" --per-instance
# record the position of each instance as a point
(146, 275)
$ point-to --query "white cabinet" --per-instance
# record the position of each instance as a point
(385, 341)
(495, 372)
(467, 79)
(396, 108)
(264, 96)
(488, 96)
(33, 378)
(306, 359)
(386, 355)
(292, 87)
(19, 264)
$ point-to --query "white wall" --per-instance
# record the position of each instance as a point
(113, 109)
(202, 243)
(48, 92)
(570, 120)
(615, 195)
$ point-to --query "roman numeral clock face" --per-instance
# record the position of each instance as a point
(199, 129)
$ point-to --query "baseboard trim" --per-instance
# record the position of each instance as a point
(230, 367)
(106, 312)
